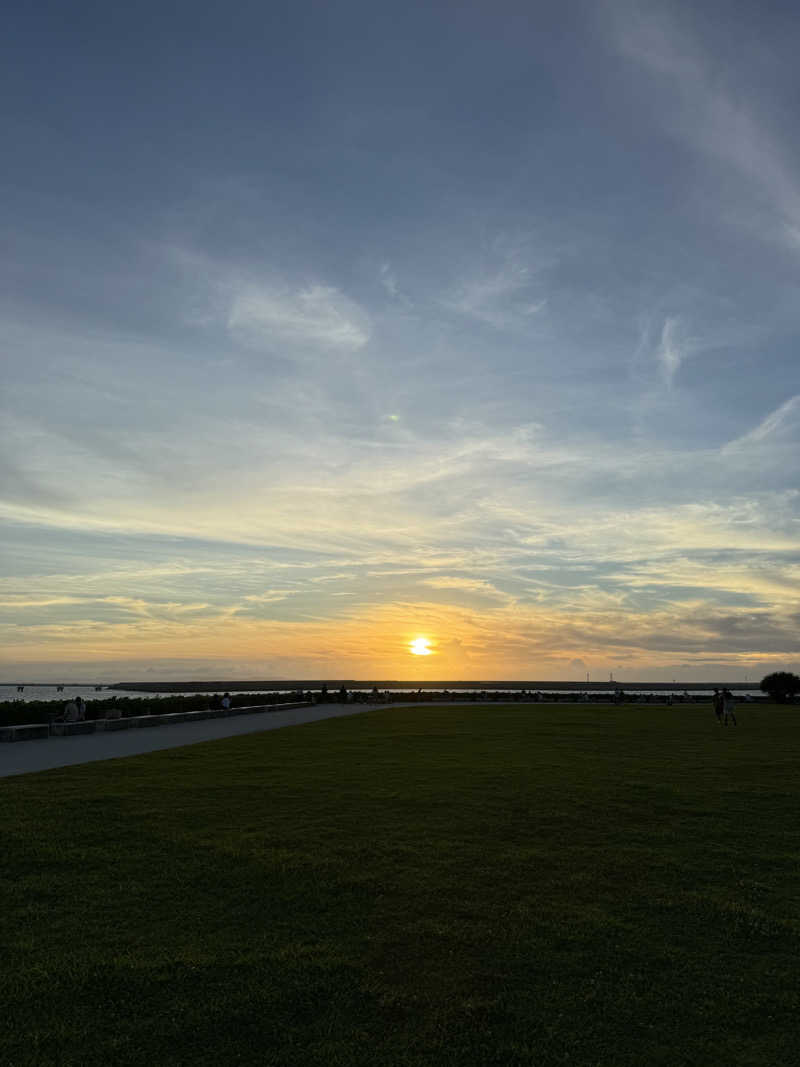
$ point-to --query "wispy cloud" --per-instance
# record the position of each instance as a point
(317, 315)
(781, 423)
(388, 279)
(270, 596)
(468, 585)
(713, 114)
(20, 601)
(506, 295)
(673, 349)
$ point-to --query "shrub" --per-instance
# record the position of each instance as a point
(15, 712)
(781, 685)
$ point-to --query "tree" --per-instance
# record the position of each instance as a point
(781, 685)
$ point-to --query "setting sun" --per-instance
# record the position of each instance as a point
(420, 646)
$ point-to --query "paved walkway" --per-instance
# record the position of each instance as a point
(23, 757)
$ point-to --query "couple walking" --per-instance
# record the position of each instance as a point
(723, 706)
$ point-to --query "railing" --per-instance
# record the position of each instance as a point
(38, 731)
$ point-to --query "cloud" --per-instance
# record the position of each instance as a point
(505, 640)
(577, 669)
(150, 609)
(272, 596)
(719, 120)
(21, 601)
(388, 280)
(319, 316)
(780, 424)
(746, 575)
(505, 297)
(453, 656)
(467, 585)
(671, 351)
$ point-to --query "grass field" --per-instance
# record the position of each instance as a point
(438, 885)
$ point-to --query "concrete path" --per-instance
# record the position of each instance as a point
(23, 757)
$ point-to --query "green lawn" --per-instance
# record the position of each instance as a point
(437, 885)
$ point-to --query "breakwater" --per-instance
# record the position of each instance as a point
(283, 685)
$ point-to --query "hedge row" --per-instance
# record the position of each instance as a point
(17, 712)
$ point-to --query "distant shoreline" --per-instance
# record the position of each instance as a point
(287, 684)
(356, 683)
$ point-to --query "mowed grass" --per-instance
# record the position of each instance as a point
(440, 885)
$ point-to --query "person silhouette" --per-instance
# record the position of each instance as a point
(716, 701)
(727, 707)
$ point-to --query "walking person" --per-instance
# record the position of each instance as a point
(727, 707)
(716, 701)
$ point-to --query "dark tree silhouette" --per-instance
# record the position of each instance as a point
(782, 685)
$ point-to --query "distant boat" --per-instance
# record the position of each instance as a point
(20, 688)
(97, 688)
(59, 688)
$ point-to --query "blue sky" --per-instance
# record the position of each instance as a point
(330, 326)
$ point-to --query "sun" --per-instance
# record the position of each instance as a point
(420, 646)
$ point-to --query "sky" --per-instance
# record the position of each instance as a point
(331, 327)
